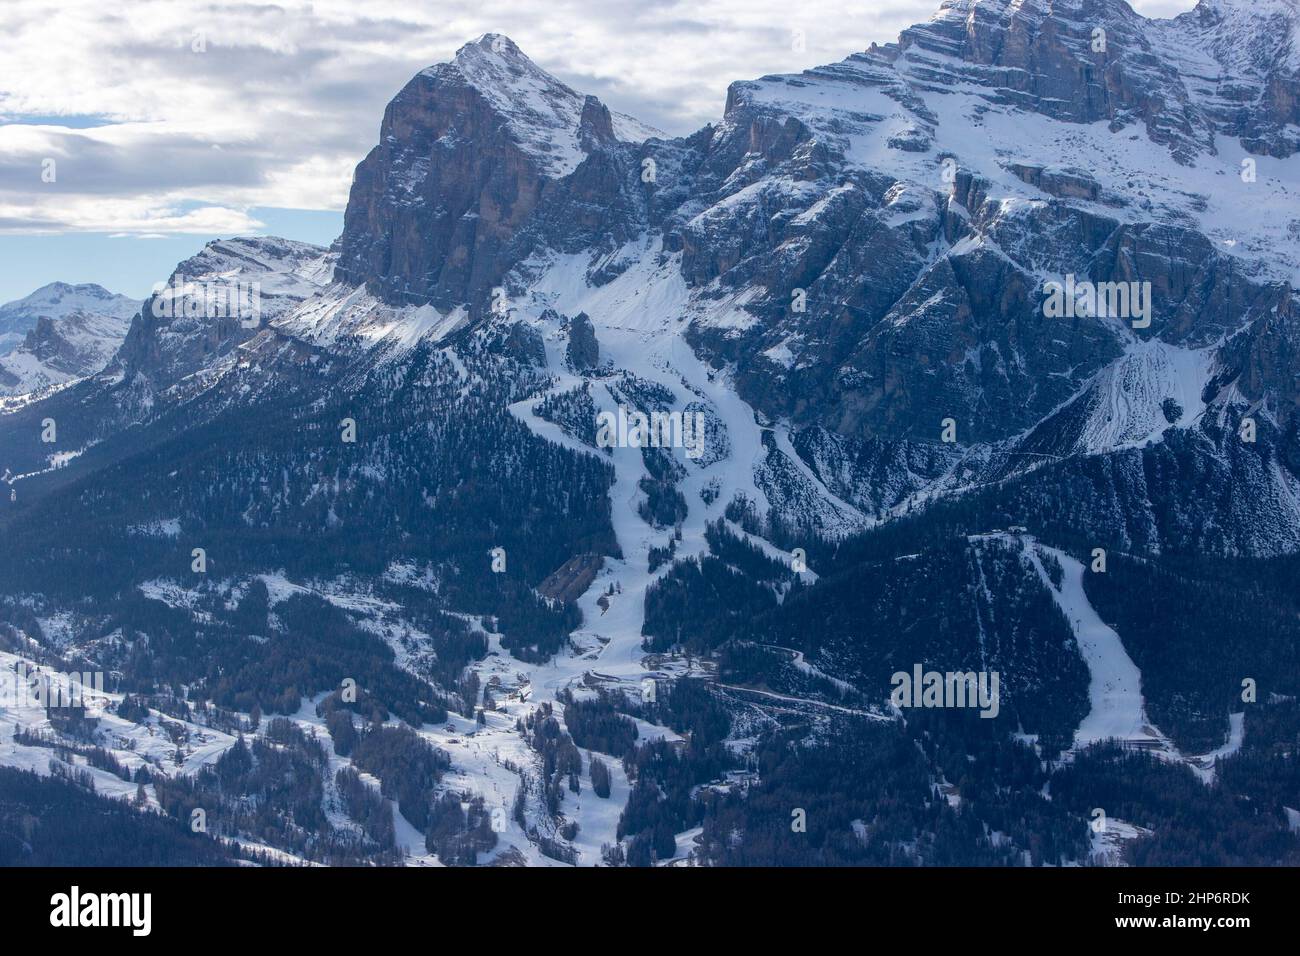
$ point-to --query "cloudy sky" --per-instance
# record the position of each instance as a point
(133, 131)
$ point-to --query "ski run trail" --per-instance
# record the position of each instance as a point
(639, 319)
(1117, 708)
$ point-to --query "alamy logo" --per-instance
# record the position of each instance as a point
(1119, 300)
(234, 299)
(656, 430)
(923, 688)
(103, 909)
(27, 688)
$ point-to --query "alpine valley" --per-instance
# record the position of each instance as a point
(367, 584)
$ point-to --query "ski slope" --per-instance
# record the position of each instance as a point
(1117, 709)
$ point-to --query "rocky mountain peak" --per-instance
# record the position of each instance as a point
(55, 300)
(470, 153)
(543, 115)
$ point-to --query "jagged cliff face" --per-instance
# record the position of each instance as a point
(215, 301)
(1251, 57)
(57, 351)
(480, 160)
(920, 193)
(1227, 68)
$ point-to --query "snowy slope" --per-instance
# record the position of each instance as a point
(59, 351)
(57, 300)
(542, 113)
(1132, 402)
(1115, 689)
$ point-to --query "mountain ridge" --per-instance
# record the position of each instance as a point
(897, 458)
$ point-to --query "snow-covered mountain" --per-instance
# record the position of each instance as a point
(890, 449)
(55, 352)
(59, 333)
(467, 153)
(866, 244)
(547, 120)
(55, 301)
(171, 341)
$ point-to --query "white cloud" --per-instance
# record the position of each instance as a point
(235, 105)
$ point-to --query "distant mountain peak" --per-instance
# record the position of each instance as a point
(56, 300)
(56, 291)
(60, 332)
